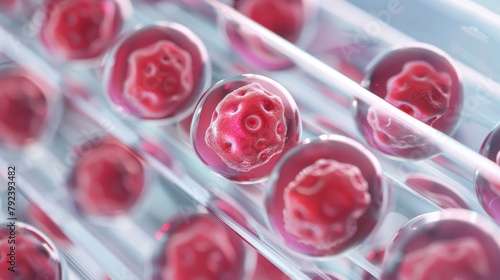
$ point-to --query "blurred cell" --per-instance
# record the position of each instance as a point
(456, 244)
(79, 29)
(199, 246)
(108, 179)
(28, 254)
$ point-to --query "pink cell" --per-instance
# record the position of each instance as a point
(24, 108)
(157, 73)
(421, 81)
(243, 125)
(80, 29)
(283, 17)
(325, 197)
(462, 258)
(248, 127)
(159, 79)
(452, 244)
(420, 91)
(199, 247)
(324, 203)
(28, 253)
(108, 178)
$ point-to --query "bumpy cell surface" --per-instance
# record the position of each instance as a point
(418, 90)
(248, 127)
(23, 110)
(324, 202)
(32, 257)
(80, 29)
(159, 78)
(462, 258)
(200, 248)
(108, 179)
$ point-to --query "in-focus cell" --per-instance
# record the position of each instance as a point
(157, 73)
(243, 125)
(199, 246)
(421, 81)
(326, 196)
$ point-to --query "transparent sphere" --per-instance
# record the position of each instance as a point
(455, 244)
(198, 246)
(489, 193)
(421, 81)
(30, 110)
(243, 125)
(79, 30)
(326, 196)
(108, 179)
(157, 73)
(29, 252)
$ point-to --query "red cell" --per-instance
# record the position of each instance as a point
(324, 203)
(286, 18)
(80, 29)
(27, 252)
(157, 72)
(454, 244)
(23, 110)
(283, 17)
(421, 81)
(326, 196)
(199, 247)
(248, 127)
(108, 178)
(462, 258)
(243, 125)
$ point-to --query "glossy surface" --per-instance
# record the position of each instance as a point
(199, 247)
(489, 193)
(333, 203)
(438, 192)
(157, 72)
(421, 81)
(33, 256)
(243, 125)
(80, 29)
(107, 179)
(450, 245)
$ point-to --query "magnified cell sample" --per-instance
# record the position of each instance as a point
(248, 127)
(324, 202)
(28, 254)
(23, 110)
(159, 78)
(80, 29)
(107, 179)
(462, 258)
(200, 247)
